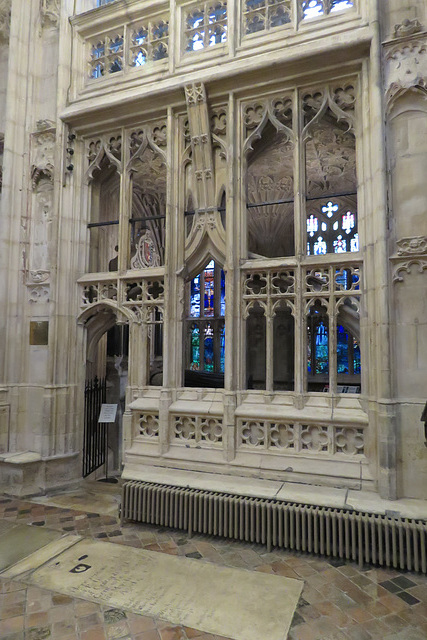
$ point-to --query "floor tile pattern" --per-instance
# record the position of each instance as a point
(339, 600)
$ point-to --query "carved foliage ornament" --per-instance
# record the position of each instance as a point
(49, 12)
(406, 266)
(38, 293)
(411, 252)
(5, 8)
(110, 148)
(412, 246)
(407, 28)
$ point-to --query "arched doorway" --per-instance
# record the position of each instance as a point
(106, 380)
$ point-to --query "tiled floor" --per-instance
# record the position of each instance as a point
(339, 601)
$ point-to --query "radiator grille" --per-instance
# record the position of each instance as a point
(340, 533)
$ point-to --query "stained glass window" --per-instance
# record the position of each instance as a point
(206, 310)
(195, 348)
(348, 353)
(208, 352)
(195, 297)
(317, 346)
(209, 290)
(222, 351)
(338, 227)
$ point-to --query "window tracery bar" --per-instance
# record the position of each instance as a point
(262, 15)
(130, 46)
(205, 25)
(149, 43)
(331, 299)
(106, 55)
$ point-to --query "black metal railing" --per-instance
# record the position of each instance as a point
(94, 431)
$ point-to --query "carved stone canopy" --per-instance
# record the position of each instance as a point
(405, 65)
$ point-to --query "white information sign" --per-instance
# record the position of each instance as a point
(107, 413)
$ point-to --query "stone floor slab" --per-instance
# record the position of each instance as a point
(240, 604)
(22, 540)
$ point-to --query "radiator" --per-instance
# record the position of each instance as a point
(339, 533)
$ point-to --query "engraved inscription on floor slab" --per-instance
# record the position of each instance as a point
(236, 603)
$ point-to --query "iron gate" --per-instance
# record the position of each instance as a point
(94, 431)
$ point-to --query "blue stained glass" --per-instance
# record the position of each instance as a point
(116, 66)
(161, 30)
(254, 24)
(195, 298)
(98, 50)
(160, 52)
(222, 351)
(217, 13)
(281, 16)
(140, 37)
(321, 347)
(356, 357)
(342, 350)
(195, 43)
(222, 309)
(309, 366)
(140, 59)
(116, 45)
(218, 35)
(251, 5)
(208, 351)
(98, 71)
(195, 348)
(195, 20)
